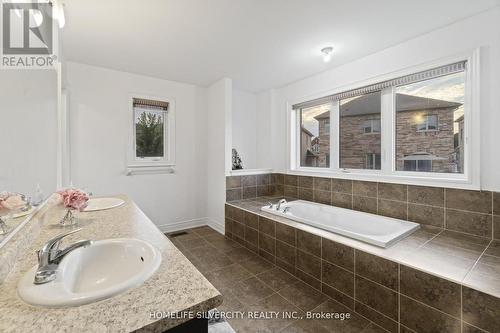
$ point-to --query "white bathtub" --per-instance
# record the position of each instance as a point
(374, 229)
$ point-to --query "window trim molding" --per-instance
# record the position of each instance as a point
(151, 165)
(470, 179)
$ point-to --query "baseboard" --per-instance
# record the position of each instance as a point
(215, 225)
(171, 227)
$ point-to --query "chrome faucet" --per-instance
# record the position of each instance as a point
(281, 202)
(50, 256)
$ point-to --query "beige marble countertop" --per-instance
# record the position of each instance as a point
(176, 286)
(465, 259)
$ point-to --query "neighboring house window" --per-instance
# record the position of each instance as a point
(153, 140)
(371, 126)
(315, 136)
(396, 113)
(418, 165)
(427, 123)
(372, 161)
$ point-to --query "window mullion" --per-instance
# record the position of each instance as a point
(387, 131)
(335, 135)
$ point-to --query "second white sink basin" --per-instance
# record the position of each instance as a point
(86, 275)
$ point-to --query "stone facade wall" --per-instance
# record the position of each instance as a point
(355, 144)
(438, 143)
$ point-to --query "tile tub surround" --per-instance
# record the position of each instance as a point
(432, 280)
(472, 212)
(253, 186)
(176, 286)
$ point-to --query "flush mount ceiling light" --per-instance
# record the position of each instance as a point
(327, 53)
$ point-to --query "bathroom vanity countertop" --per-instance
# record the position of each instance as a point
(465, 259)
(176, 286)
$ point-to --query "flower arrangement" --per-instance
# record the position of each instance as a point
(72, 199)
(11, 201)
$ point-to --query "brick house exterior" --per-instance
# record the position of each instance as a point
(324, 138)
(431, 149)
(308, 148)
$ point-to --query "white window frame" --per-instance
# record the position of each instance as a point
(470, 179)
(374, 160)
(426, 123)
(371, 126)
(163, 164)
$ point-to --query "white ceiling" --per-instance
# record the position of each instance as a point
(260, 44)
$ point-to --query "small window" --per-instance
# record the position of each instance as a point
(371, 126)
(315, 136)
(152, 132)
(149, 133)
(418, 165)
(372, 161)
(427, 123)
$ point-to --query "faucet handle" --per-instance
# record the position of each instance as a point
(53, 244)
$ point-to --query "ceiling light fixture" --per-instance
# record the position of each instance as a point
(327, 53)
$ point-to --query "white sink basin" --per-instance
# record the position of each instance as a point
(86, 275)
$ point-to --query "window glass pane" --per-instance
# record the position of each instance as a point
(149, 133)
(315, 136)
(360, 131)
(429, 120)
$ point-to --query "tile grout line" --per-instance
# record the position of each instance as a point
(462, 308)
(354, 278)
(477, 261)
(399, 298)
(431, 307)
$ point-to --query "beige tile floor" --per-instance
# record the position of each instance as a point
(251, 284)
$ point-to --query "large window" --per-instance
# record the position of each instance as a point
(315, 136)
(152, 133)
(416, 125)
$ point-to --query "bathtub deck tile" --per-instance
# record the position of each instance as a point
(443, 253)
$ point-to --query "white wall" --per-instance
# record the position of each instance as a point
(28, 130)
(244, 122)
(482, 30)
(99, 114)
(265, 129)
(218, 148)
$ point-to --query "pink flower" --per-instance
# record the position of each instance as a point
(74, 199)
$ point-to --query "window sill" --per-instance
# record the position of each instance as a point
(246, 172)
(149, 169)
